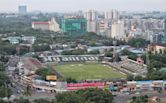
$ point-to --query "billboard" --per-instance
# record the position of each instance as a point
(78, 86)
(51, 77)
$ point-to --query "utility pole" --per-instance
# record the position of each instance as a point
(114, 51)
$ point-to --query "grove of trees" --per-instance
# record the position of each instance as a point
(4, 89)
(43, 72)
(137, 42)
(85, 96)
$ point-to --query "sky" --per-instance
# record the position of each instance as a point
(75, 5)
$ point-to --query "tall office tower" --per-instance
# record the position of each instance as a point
(109, 15)
(115, 15)
(164, 37)
(112, 15)
(117, 30)
(22, 9)
(91, 17)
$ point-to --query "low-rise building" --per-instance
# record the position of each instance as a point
(49, 25)
(157, 48)
(12, 65)
(14, 39)
(19, 39)
(29, 39)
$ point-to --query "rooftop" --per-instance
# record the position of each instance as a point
(163, 44)
(40, 22)
(31, 64)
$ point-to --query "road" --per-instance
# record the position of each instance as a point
(18, 91)
(124, 98)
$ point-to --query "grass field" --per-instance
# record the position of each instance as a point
(88, 71)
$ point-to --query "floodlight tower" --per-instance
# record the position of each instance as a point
(114, 51)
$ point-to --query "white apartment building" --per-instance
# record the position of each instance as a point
(117, 30)
(91, 17)
(112, 15)
(104, 28)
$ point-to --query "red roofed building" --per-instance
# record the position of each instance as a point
(50, 25)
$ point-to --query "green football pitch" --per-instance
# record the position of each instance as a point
(89, 71)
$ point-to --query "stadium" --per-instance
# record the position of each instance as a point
(83, 67)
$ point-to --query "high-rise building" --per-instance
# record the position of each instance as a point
(74, 25)
(117, 30)
(22, 9)
(91, 17)
(109, 15)
(104, 28)
(164, 37)
(92, 26)
(115, 15)
(112, 15)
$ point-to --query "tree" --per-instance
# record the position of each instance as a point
(4, 59)
(137, 42)
(4, 89)
(28, 92)
(38, 48)
(21, 100)
(2, 101)
(132, 56)
(126, 52)
(85, 96)
(130, 77)
(94, 52)
(68, 97)
(41, 101)
(108, 54)
(139, 99)
(43, 72)
(96, 96)
(71, 80)
(74, 52)
(7, 48)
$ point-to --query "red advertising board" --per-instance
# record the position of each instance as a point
(77, 86)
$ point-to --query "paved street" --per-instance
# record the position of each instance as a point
(124, 98)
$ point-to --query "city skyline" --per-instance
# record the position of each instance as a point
(75, 5)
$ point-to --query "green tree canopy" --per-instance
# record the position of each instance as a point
(137, 42)
(85, 96)
(43, 72)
